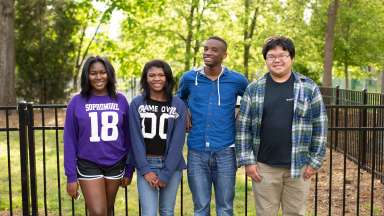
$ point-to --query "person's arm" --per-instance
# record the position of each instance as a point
(70, 138)
(176, 143)
(129, 167)
(137, 140)
(244, 150)
(243, 86)
(183, 93)
(319, 130)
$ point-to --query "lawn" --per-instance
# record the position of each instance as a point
(53, 193)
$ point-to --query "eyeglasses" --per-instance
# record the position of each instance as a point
(272, 58)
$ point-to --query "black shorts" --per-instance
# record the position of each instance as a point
(87, 170)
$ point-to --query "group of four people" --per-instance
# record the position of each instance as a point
(279, 134)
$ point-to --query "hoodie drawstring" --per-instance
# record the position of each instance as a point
(218, 86)
(218, 82)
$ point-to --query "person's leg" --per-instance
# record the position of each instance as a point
(112, 186)
(112, 175)
(200, 181)
(224, 178)
(295, 194)
(168, 195)
(95, 196)
(148, 197)
(268, 191)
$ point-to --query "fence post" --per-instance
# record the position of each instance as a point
(23, 157)
(32, 159)
(364, 124)
(337, 102)
(337, 117)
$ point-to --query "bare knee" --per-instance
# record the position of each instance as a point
(98, 211)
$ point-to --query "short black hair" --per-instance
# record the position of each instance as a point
(219, 39)
(170, 82)
(86, 87)
(281, 41)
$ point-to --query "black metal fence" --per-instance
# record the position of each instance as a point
(343, 187)
(350, 97)
(356, 123)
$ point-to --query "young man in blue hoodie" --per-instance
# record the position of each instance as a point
(211, 94)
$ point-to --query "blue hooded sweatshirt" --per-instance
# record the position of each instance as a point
(212, 105)
(173, 157)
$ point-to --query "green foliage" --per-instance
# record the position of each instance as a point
(303, 69)
(54, 37)
(358, 41)
(44, 31)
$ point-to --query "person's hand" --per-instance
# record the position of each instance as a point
(162, 184)
(253, 171)
(125, 181)
(188, 124)
(152, 179)
(308, 172)
(72, 190)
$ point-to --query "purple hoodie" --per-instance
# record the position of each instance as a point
(96, 129)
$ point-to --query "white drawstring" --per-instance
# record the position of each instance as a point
(218, 82)
(197, 74)
(218, 85)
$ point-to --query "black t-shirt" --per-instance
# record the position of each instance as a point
(154, 127)
(276, 125)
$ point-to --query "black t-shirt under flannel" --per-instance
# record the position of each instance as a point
(276, 125)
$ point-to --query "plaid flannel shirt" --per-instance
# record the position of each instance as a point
(309, 125)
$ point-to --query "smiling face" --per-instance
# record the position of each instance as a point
(279, 64)
(156, 80)
(98, 78)
(214, 52)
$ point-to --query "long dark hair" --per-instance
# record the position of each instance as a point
(86, 86)
(168, 88)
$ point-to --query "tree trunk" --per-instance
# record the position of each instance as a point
(248, 35)
(346, 74)
(382, 82)
(188, 41)
(81, 56)
(7, 53)
(329, 42)
(197, 38)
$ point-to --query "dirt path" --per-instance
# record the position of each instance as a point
(351, 188)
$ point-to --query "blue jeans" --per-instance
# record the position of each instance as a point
(217, 168)
(163, 199)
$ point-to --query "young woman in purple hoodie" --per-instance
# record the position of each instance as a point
(157, 127)
(96, 139)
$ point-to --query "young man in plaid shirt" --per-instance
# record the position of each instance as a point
(281, 133)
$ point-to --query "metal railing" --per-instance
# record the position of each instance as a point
(356, 131)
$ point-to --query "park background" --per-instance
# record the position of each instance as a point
(43, 44)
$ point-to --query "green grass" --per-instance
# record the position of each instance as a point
(52, 191)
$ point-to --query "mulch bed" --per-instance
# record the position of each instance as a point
(351, 188)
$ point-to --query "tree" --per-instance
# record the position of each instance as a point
(7, 53)
(329, 43)
(44, 49)
(86, 15)
(248, 33)
(358, 43)
(382, 81)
